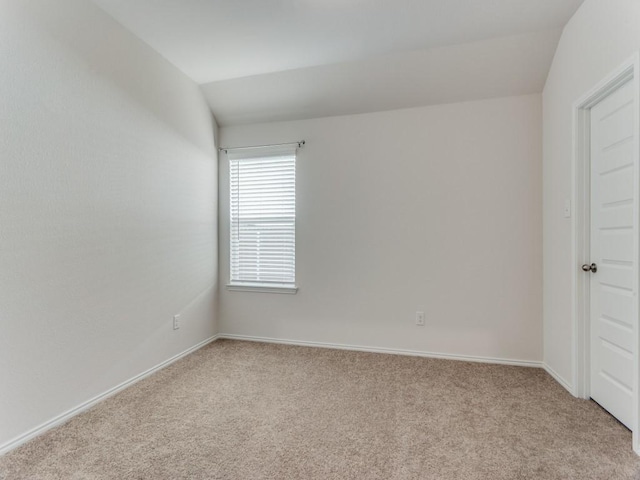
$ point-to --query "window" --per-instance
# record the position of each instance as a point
(263, 219)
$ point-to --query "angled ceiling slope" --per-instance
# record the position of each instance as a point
(264, 60)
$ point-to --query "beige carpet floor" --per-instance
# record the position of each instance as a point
(241, 410)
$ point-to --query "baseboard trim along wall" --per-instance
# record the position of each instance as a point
(556, 376)
(361, 348)
(64, 417)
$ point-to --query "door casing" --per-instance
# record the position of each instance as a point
(629, 71)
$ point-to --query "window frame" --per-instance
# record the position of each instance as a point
(254, 153)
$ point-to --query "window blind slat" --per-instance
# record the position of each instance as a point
(262, 196)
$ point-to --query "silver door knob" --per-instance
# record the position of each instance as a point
(590, 268)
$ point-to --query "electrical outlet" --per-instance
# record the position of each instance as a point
(176, 322)
(420, 319)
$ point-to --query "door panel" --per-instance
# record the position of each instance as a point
(616, 307)
(617, 158)
(616, 333)
(616, 186)
(613, 233)
(621, 216)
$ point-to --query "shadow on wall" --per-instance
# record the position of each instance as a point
(115, 55)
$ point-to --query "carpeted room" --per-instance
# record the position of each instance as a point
(309, 239)
(254, 410)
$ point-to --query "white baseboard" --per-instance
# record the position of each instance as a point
(21, 439)
(25, 437)
(558, 378)
(361, 348)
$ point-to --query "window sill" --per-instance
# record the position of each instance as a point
(260, 288)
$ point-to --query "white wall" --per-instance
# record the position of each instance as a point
(435, 208)
(601, 35)
(108, 226)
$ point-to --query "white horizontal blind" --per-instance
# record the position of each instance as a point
(263, 217)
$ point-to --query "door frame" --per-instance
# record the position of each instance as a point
(629, 71)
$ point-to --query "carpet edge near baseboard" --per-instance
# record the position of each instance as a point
(392, 351)
(69, 414)
(558, 378)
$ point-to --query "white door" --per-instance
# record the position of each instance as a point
(613, 235)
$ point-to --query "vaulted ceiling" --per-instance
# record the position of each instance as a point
(264, 60)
